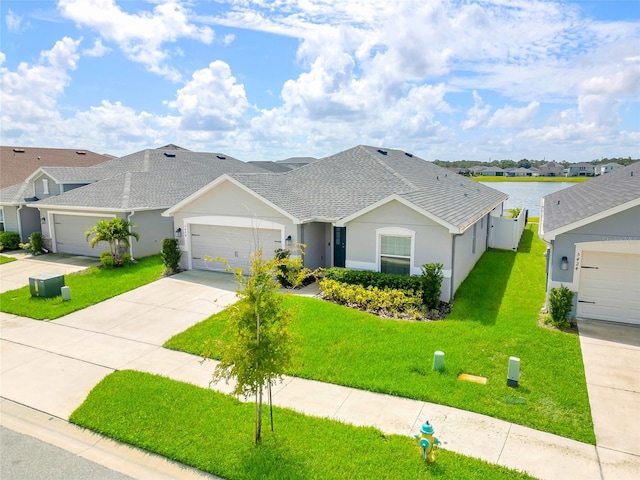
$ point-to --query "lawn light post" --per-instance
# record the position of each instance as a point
(427, 442)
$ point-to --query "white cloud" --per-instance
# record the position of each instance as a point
(29, 94)
(14, 21)
(140, 36)
(476, 115)
(228, 39)
(98, 49)
(513, 117)
(211, 100)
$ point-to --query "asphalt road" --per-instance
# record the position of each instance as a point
(26, 458)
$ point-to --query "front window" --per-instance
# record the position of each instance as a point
(45, 186)
(395, 254)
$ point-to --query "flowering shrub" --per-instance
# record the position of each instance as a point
(392, 302)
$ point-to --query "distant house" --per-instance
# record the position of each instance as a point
(551, 169)
(520, 172)
(476, 169)
(593, 234)
(607, 168)
(296, 162)
(581, 170)
(492, 172)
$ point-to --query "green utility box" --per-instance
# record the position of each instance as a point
(47, 285)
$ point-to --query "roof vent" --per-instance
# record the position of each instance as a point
(169, 154)
(221, 157)
(558, 202)
(382, 152)
(39, 157)
(408, 154)
(437, 177)
(632, 173)
(18, 150)
(81, 152)
(466, 194)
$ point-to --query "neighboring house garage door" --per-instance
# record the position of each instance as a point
(233, 243)
(609, 287)
(69, 234)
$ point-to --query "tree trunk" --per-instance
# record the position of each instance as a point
(259, 415)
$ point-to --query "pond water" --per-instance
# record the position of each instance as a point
(527, 194)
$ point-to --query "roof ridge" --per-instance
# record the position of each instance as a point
(126, 190)
(391, 170)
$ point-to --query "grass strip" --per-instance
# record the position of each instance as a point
(88, 287)
(4, 259)
(494, 317)
(214, 433)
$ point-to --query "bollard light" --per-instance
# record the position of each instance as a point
(438, 361)
(513, 374)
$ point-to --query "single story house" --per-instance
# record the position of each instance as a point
(16, 165)
(593, 234)
(364, 208)
(607, 168)
(492, 172)
(551, 169)
(137, 187)
(581, 169)
(520, 172)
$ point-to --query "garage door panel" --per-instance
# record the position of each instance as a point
(610, 287)
(70, 237)
(236, 244)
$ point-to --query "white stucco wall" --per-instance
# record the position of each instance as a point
(466, 255)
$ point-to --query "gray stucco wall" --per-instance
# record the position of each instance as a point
(466, 255)
(622, 226)
(317, 237)
(152, 228)
(10, 218)
(54, 188)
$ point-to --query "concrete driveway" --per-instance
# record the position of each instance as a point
(16, 274)
(611, 356)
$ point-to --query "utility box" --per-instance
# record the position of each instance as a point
(47, 285)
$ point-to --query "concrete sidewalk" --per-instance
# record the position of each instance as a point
(67, 357)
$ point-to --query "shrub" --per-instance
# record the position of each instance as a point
(125, 260)
(431, 284)
(291, 273)
(171, 255)
(560, 305)
(106, 259)
(372, 299)
(367, 278)
(9, 240)
(35, 244)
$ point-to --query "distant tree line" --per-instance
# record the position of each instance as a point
(526, 163)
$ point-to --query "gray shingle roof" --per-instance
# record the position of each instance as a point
(583, 200)
(340, 185)
(148, 179)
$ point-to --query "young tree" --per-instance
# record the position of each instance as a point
(257, 342)
(116, 233)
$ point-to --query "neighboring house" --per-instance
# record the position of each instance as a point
(270, 166)
(476, 169)
(492, 172)
(520, 172)
(363, 208)
(607, 168)
(136, 187)
(593, 233)
(551, 169)
(581, 170)
(16, 165)
(296, 162)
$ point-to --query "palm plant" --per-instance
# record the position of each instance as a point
(116, 233)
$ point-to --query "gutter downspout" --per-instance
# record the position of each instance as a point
(453, 265)
(20, 222)
(131, 243)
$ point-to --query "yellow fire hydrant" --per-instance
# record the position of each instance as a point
(427, 442)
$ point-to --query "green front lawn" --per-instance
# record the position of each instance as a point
(4, 259)
(88, 287)
(494, 317)
(214, 433)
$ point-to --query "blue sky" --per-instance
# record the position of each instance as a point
(271, 79)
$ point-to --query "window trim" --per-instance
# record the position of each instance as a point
(45, 186)
(394, 232)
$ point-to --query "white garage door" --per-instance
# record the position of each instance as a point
(609, 287)
(69, 233)
(233, 243)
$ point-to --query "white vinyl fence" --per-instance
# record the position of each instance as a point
(505, 233)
